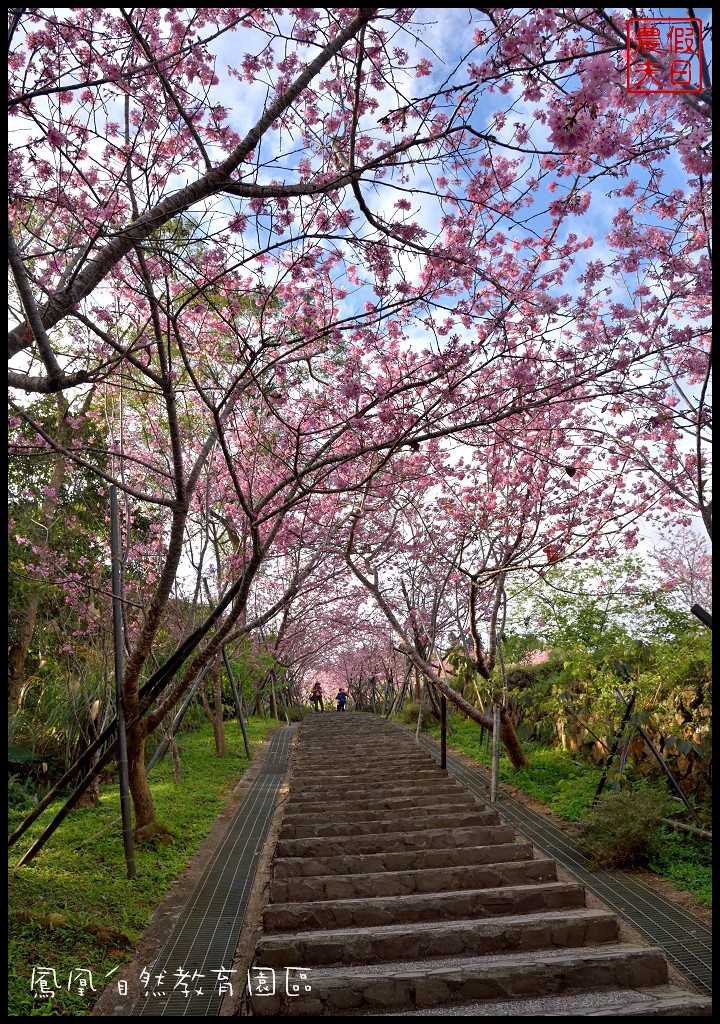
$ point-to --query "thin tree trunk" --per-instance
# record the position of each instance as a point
(273, 701)
(137, 777)
(21, 648)
(216, 715)
(218, 724)
(175, 763)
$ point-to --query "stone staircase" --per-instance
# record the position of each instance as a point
(396, 892)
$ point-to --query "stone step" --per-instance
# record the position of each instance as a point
(660, 1001)
(355, 726)
(361, 780)
(372, 796)
(501, 846)
(420, 782)
(411, 783)
(391, 842)
(411, 821)
(429, 880)
(372, 803)
(346, 760)
(378, 757)
(341, 757)
(395, 889)
(337, 742)
(475, 937)
(420, 984)
(370, 912)
(412, 808)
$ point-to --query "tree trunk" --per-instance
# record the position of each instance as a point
(513, 746)
(508, 735)
(273, 702)
(91, 796)
(175, 762)
(218, 725)
(216, 715)
(20, 649)
(139, 787)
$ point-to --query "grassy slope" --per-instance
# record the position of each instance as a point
(80, 874)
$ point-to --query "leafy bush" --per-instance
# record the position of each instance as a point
(409, 715)
(622, 831)
(21, 793)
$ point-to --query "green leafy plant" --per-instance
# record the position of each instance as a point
(409, 715)
(686, 861)
(21, 793)
(622, 830)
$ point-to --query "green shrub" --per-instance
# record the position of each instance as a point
(409, 715)
(21, 794)
(622, 831)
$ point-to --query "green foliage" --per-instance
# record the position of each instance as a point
(409, 715)
(622, 830)
(78, 879)
(21, 793)
(251, 668)
(60, 710)
(554, 778)
(685, 860)
(607, 628)
(37, 526)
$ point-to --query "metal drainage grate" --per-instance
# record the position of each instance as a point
(186, 976)
(692, 959)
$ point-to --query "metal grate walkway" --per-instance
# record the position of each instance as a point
(186, 978)
(686, 941)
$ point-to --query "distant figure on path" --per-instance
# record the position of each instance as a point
(316, 697)
(341, 699)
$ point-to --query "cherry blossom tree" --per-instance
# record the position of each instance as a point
(683, 564)
(274, 298)
(437, 540)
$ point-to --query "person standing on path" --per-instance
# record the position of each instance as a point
(316, 697)
(341, 699)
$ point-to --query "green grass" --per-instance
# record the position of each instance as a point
(686, 861)
(567, 787)
(555, 778)
(80, 873)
